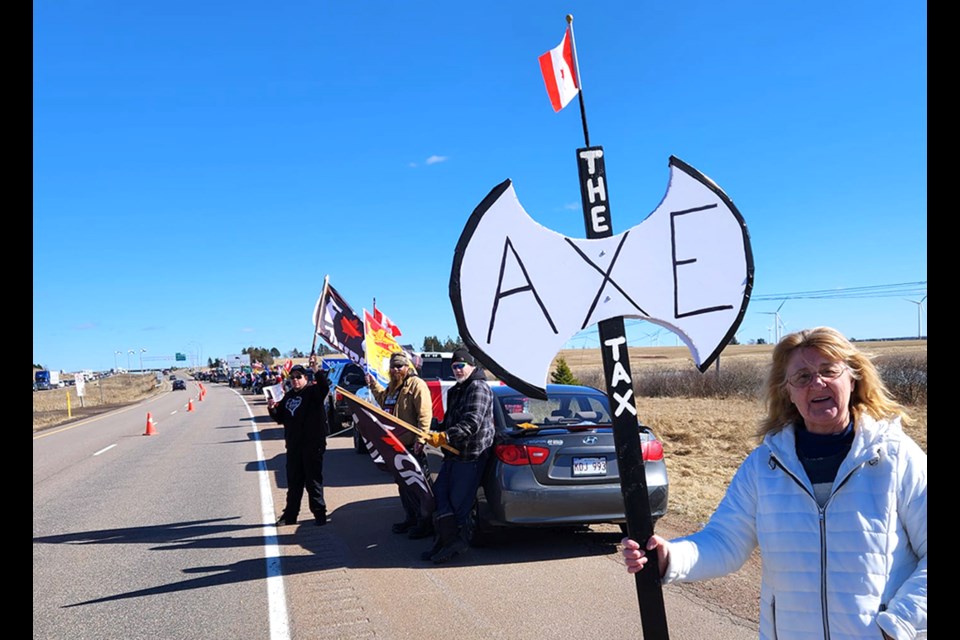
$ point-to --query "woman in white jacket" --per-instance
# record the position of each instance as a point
(835, 496)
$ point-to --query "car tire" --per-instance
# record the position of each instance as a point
(479, 534)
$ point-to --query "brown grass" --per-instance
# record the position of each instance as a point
(50, 407)
(705, 439)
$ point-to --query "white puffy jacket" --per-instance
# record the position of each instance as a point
(833, 573)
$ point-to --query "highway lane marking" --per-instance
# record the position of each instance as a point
(105, 449)
(276, 595)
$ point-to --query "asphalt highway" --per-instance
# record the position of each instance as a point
(170, 535)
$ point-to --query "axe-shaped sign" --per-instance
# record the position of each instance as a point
(520, 291)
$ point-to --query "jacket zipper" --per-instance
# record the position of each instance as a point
(822, 519)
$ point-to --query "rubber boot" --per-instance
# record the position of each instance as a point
(403, 527)
(446, 528)
(457, 546)
(423, 529)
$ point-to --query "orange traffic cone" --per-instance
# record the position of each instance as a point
(200, 395)
(190, 404)
(150, 430)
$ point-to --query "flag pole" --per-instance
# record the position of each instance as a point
(616, 369)
(383, 414)
(576, 68)
(316, 328)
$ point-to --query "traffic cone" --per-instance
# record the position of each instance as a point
(200, 395)
(190, 404)
(150, 430)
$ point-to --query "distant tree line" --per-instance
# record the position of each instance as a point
(268, 356)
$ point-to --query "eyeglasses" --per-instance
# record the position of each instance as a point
(297, 376)
(801, 379)
(456, 366)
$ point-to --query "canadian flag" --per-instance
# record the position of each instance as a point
(557, 68)
(384, 321)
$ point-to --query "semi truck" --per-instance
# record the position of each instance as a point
(46, 379)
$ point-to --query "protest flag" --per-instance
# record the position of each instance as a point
(558, 69)
(377, 428)
(386, 322)
(338, 325)
(380, 345)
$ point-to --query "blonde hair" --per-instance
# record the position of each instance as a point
(869, 395)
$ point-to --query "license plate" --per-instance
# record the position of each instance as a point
(589, 466)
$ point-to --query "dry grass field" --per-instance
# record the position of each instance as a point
(50, 408)
(705, 439)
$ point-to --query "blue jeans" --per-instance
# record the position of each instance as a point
(456, 486)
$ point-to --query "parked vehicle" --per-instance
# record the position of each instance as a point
(435, 365)
(350, 376)
(46, 379)
(554, 463)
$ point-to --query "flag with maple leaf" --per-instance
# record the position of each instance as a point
(339, 326)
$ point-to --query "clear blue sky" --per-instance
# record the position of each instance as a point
(199, 167)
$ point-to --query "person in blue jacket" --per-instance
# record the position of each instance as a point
(835, 496)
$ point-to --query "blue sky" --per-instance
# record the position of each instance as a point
(199, 167)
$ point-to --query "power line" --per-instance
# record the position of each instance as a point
(875, 291)
(897, 290)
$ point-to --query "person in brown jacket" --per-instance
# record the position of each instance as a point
(408, 398)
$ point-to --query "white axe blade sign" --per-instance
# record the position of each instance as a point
(520, 291)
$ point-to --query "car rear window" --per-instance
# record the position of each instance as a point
(556, 409)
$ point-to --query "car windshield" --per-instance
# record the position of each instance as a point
(557, 409)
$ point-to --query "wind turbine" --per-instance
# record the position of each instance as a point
(778, 324)
(919, 304)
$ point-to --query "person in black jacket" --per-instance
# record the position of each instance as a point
(468, 427)
(302, 412)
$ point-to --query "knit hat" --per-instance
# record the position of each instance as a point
(398, 359)
(462, 355)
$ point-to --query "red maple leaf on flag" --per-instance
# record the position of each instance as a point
(350, 327)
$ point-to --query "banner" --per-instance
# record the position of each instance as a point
(377, 428)
(338, 325)
(380, 345)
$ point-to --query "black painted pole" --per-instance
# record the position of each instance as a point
(626, 428)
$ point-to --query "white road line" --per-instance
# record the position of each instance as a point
(105, 449)
(276, 596)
